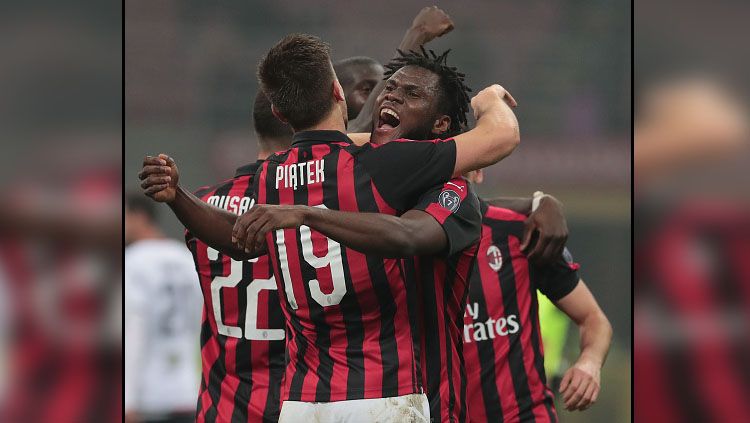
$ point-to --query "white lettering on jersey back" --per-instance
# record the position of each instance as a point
(298, 174)
(231, 203)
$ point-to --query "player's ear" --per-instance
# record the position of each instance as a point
(278, 114)
(338, 90)
(441, 125)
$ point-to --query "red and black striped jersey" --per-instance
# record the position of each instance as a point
(55, 375)
(349, 325)
(692, 293)
(242, 334)
(443, 283)
(502, 341)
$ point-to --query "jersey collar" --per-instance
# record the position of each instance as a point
(248, 169)
(319, 136)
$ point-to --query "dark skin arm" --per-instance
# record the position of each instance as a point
(545, 230)
(210, 224)
(430, 23)
(413, 233)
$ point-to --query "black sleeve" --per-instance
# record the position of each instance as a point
(456, 207)
(559, 279)
(256, 184)
(403, 170)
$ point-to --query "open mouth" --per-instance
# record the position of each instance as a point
(388, 119)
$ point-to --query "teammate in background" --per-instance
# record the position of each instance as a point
(242, 334)
(358, 76)
(162, 303)
(501, 333)
(379, 174)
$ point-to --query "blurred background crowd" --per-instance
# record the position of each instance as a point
(692, 212)
(60, 218)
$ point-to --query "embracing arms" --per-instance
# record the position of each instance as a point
(210, 224)
(413, 233)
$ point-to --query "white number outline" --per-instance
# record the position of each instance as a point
(252, 332)
(332, 259)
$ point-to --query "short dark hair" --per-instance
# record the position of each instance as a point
(454, 94)
(137, 201)
(273, 134)
(344, 67)
(297, 76)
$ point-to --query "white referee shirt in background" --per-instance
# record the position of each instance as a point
(163, 304)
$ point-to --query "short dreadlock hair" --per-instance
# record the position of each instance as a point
(454, 94)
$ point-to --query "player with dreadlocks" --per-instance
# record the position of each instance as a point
(502, 328)
(423, 99)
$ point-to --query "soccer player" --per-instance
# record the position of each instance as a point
(358, 76)
(242, 334)
(507, 381)
(322, 368)
(362, 77)
(442, 227)
(162, 303)
(248, 387)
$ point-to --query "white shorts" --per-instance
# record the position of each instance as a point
(413, 408)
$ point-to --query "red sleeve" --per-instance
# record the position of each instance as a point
(455, 206)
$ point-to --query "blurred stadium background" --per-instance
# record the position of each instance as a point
(190, 81)
(691, 212)
(60, 220)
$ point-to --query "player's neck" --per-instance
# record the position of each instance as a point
(334, 121)
(270, 146)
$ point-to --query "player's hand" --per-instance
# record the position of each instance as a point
(490, 97)
(250, 229)
(159, 178)
(432, 22)
(548, 221)
(580, 385)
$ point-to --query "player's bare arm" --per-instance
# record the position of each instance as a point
(413, 233)
(210, 224)
(581, 383)
(431, 22)
(545, 229)
(495, 135)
